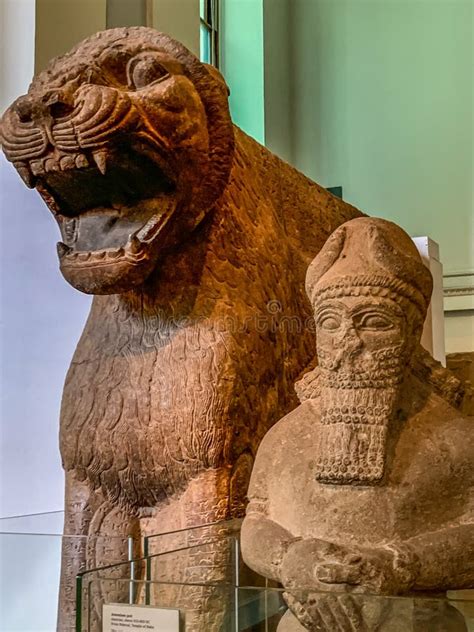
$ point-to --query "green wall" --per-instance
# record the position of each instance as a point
(382, 104)
(277, 76)
(242, 63)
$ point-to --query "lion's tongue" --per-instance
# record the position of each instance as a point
(106, 229)
(101, 231)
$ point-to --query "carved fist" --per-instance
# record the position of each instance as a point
(328, 566)
(326, 612)
(299, 564)
(382, 571)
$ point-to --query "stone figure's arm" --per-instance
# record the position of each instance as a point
(446, 556)
(275, 553)
(264, 542)
(438, 560)
(444, 559)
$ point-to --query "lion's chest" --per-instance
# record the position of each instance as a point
(141, 420)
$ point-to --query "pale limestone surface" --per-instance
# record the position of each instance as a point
(367, 486)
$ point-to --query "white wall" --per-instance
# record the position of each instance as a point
(459, 328)
(277, 80)
(41, 320)
(17, 24)
(41, 315)
(126, 13)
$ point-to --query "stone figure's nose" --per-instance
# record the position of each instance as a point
(350, 340)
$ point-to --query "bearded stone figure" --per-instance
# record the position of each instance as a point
(367, 486)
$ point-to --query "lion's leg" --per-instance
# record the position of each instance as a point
(95, 534)
(210, 557)
(111, 530)
(80, 506)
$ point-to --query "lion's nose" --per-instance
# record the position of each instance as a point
(57, 103)
(51, 104)
(24, 108)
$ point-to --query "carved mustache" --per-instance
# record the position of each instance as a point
(389, 358)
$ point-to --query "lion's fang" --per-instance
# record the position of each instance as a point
(100, 159)
(133, 245)
(62, 249)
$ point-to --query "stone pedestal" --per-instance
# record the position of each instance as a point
(433, 332)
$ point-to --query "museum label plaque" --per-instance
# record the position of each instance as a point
(122, 618)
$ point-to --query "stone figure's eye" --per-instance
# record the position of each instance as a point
(143, 71)
(374, 321)
(329, 322)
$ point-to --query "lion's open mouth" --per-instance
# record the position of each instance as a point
(109, 206)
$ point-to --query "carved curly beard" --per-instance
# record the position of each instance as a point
(356, 410)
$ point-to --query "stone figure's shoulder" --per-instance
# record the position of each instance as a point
(286, 435)
(444, 427)
(290, 427)
(281, 441)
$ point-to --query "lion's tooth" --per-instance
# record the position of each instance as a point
(25, 174)
(83, 256)
(81, 161)
(67, 162)
(70, 228)
(156, 223)
(100, 159)
(51, 165)
(149, 228)
(36, 167)
(62, 249)
(134, 245)
(115, 254)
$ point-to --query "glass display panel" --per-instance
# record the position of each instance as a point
(50, 523)
(179, 579)
(262, 609)
(30, 552)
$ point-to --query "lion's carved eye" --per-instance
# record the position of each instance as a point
(142, 71)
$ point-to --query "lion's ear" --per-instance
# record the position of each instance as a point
(212, 70)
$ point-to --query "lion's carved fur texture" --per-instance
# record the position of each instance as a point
(189, 372)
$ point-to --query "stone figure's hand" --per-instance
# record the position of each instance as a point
(300, 562)
(326, 612)
(380, 571)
